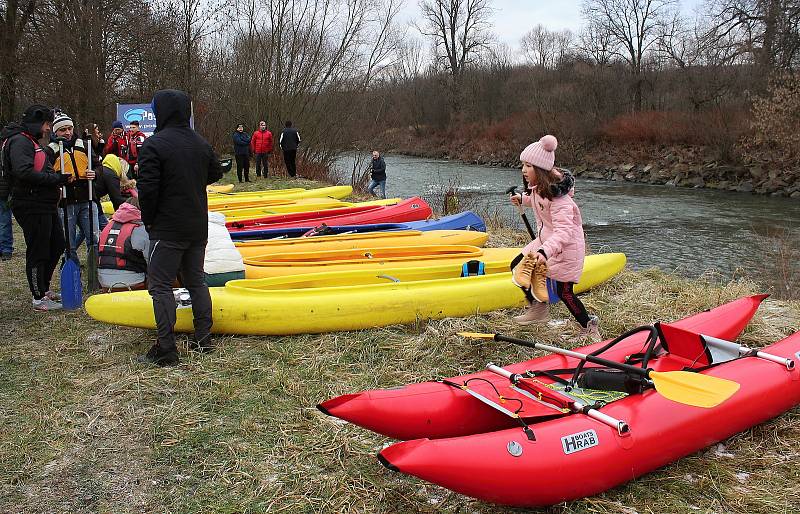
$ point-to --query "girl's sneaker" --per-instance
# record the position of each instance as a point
(537, 313)
(46, 304)
(52, 295)
(590, 334)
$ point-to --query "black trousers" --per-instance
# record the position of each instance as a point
(243, 166)
(262, 159)
(44, 238)
(168, 261)
(290, 158)
(565, 294)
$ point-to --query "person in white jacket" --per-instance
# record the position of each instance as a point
(223, 261)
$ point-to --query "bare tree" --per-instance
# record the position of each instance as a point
(15, 17)
(459, 29)
(767, 31)
(545, 48)
(633, 27)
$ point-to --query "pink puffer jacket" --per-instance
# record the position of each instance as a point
(560, 235)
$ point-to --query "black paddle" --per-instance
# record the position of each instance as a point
(512, 191)
(92, 283)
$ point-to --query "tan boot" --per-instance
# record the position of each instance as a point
(537, 312)
(590, 334)
(539, 281)
(523, 272)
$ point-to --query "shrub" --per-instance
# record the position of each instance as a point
(776, 119)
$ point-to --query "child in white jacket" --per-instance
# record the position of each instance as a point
(223, 261)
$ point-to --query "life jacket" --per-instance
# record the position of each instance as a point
(75, 161)
(116, 249)
(39, 160)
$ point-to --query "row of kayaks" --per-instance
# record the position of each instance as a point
(379, 264)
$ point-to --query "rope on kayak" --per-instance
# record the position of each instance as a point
(512, 414)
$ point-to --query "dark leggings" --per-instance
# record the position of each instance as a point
(44, 238)
(565, 294)
(243, 165)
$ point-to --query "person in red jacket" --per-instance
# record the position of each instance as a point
(135, 139)
(261, 145)
(117, 143)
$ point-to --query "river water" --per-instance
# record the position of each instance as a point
(688, 231)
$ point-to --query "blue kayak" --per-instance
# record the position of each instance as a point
(467, 220)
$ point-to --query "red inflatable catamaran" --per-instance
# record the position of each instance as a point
(531, 434)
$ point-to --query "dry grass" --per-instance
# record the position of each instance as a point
(84, 429)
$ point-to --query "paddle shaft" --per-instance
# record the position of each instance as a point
(91, 249)
(512, 191)
(67, 242)
(575, 355)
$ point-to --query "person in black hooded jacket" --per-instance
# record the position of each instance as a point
(175, 166)
(35, 193)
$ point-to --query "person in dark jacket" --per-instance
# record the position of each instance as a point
(378, 174)
(289, 142)
(35, 192)
(175, 166)
(241, 150)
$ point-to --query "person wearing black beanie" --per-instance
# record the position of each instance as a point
(35, 192)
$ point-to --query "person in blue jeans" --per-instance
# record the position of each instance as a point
(378, 174)
(6, 234)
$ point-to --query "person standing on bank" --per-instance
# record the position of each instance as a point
(35, 192)
(378, 174)
(76, 162)
(289, 142)
(241, 150)
(175, 166)
(554, 260)
(261, 144)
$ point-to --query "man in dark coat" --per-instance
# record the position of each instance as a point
(289, 141)
(175, 166)
(35, 193)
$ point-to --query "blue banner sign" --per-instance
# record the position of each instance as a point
(142, 113)
(126, 113)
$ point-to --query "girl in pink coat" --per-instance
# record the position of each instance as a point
(557, 253)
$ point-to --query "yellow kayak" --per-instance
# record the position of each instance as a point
(248, 198)
(302, 205)
(351, 300)
(219, 188)
(337, 192)
(253, 248)
(279, 264)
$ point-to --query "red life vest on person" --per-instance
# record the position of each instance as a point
(117, 251)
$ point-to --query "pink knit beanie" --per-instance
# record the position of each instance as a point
(541, 153)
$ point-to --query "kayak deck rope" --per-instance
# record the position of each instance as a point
(512, 414)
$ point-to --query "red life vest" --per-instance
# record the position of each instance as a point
(117, 251)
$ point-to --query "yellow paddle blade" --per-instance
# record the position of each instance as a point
(476, 335)
(693, 389)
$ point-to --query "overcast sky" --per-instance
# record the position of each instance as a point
(513, 18)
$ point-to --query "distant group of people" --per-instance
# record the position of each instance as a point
(159, 232)
(260, 145)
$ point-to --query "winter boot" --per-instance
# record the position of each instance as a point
(160, 358)
(523, 272)
(206, 345)
(539, 281)
(537, 312)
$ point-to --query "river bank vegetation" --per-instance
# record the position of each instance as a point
(704, 98)
(83, 428)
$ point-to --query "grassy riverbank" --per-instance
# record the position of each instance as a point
(85, 429)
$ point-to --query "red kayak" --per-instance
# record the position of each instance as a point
(555, 450)
(412, 209)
